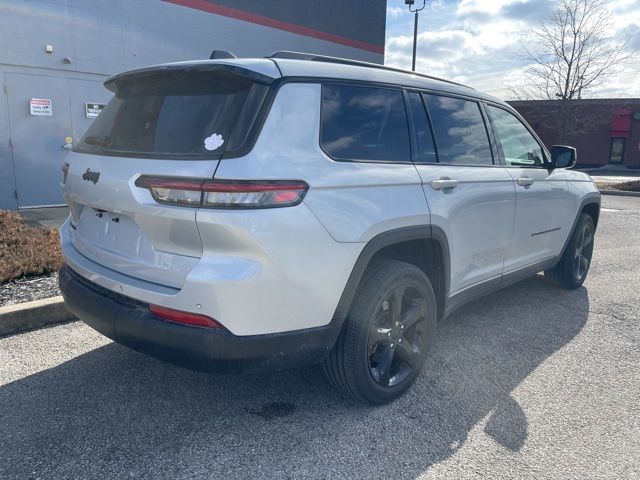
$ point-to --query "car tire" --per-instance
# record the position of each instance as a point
(572, 269)
(387, 336)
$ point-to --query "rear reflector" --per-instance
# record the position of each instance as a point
(195, 192)
(185, 318)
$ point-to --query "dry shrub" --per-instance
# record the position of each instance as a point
(632, 186)
(25, 250)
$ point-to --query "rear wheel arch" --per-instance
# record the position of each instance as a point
(424, 246)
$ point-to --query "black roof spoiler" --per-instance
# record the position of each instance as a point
(113, 83)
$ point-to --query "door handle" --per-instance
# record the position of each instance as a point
(444, 183)
(524, 181)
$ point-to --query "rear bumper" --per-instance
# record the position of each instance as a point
(129, 322)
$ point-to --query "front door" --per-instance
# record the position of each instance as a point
(471, 198)
(544, 205)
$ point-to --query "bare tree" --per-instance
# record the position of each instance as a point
(572, 52)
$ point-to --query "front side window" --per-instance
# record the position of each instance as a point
(459, 130)
(364, 123)
(519, 147)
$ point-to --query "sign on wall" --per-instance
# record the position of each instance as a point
(41, 107)
(92, 109)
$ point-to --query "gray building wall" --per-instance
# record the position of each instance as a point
(93, 39)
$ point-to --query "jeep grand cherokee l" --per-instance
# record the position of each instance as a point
(252, 214)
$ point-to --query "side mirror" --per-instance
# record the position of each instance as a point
(563, 156)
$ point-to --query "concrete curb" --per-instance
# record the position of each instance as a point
(30, 315)
(621, 193)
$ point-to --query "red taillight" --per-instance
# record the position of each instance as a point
(194, 192)
(186, 318)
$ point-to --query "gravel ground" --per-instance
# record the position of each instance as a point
(531, 382)
(29, 289)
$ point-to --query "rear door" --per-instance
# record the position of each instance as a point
(173, 124)
(544, 205)
(470, 196)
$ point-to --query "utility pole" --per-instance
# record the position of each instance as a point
(410, 4)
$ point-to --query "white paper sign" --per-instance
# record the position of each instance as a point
(41, 107)
(92, 110)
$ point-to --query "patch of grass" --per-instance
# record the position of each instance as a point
(632, 186)
(26, 251)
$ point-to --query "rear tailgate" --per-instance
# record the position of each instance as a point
(122, 228)
(172, 121)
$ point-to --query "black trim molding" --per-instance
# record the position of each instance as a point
(377, 243)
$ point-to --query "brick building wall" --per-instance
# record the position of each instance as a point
(604, 131)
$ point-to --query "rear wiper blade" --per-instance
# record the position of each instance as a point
(99, 140)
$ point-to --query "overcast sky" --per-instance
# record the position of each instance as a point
(477, 42)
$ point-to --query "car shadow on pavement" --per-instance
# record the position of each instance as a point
(114, 413)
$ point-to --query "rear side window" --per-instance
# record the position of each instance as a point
(177, 114)
(460, 132)
(425, 151)
(364, 123)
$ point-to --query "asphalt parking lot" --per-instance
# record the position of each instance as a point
(530, 382)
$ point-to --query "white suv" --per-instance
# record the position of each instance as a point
(251, 214)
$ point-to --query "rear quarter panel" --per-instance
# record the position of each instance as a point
(354, 201)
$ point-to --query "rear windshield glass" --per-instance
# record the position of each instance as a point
(177, 114)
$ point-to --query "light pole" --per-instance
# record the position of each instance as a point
(410, 3)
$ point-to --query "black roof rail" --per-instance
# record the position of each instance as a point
(286, 54)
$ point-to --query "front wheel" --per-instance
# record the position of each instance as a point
(387, 336)
(571, 271)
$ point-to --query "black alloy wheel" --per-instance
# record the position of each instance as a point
(388, 333)
(397, 337)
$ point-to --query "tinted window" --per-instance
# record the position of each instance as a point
(174, 113)
(364, 123)
(458, 126)
(425, 150)
(518, 145)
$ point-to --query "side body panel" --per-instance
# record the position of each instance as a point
(583, 194)
(354, 201)
(546, 206)
(477, 217)
(297, 273)
(545, 210)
